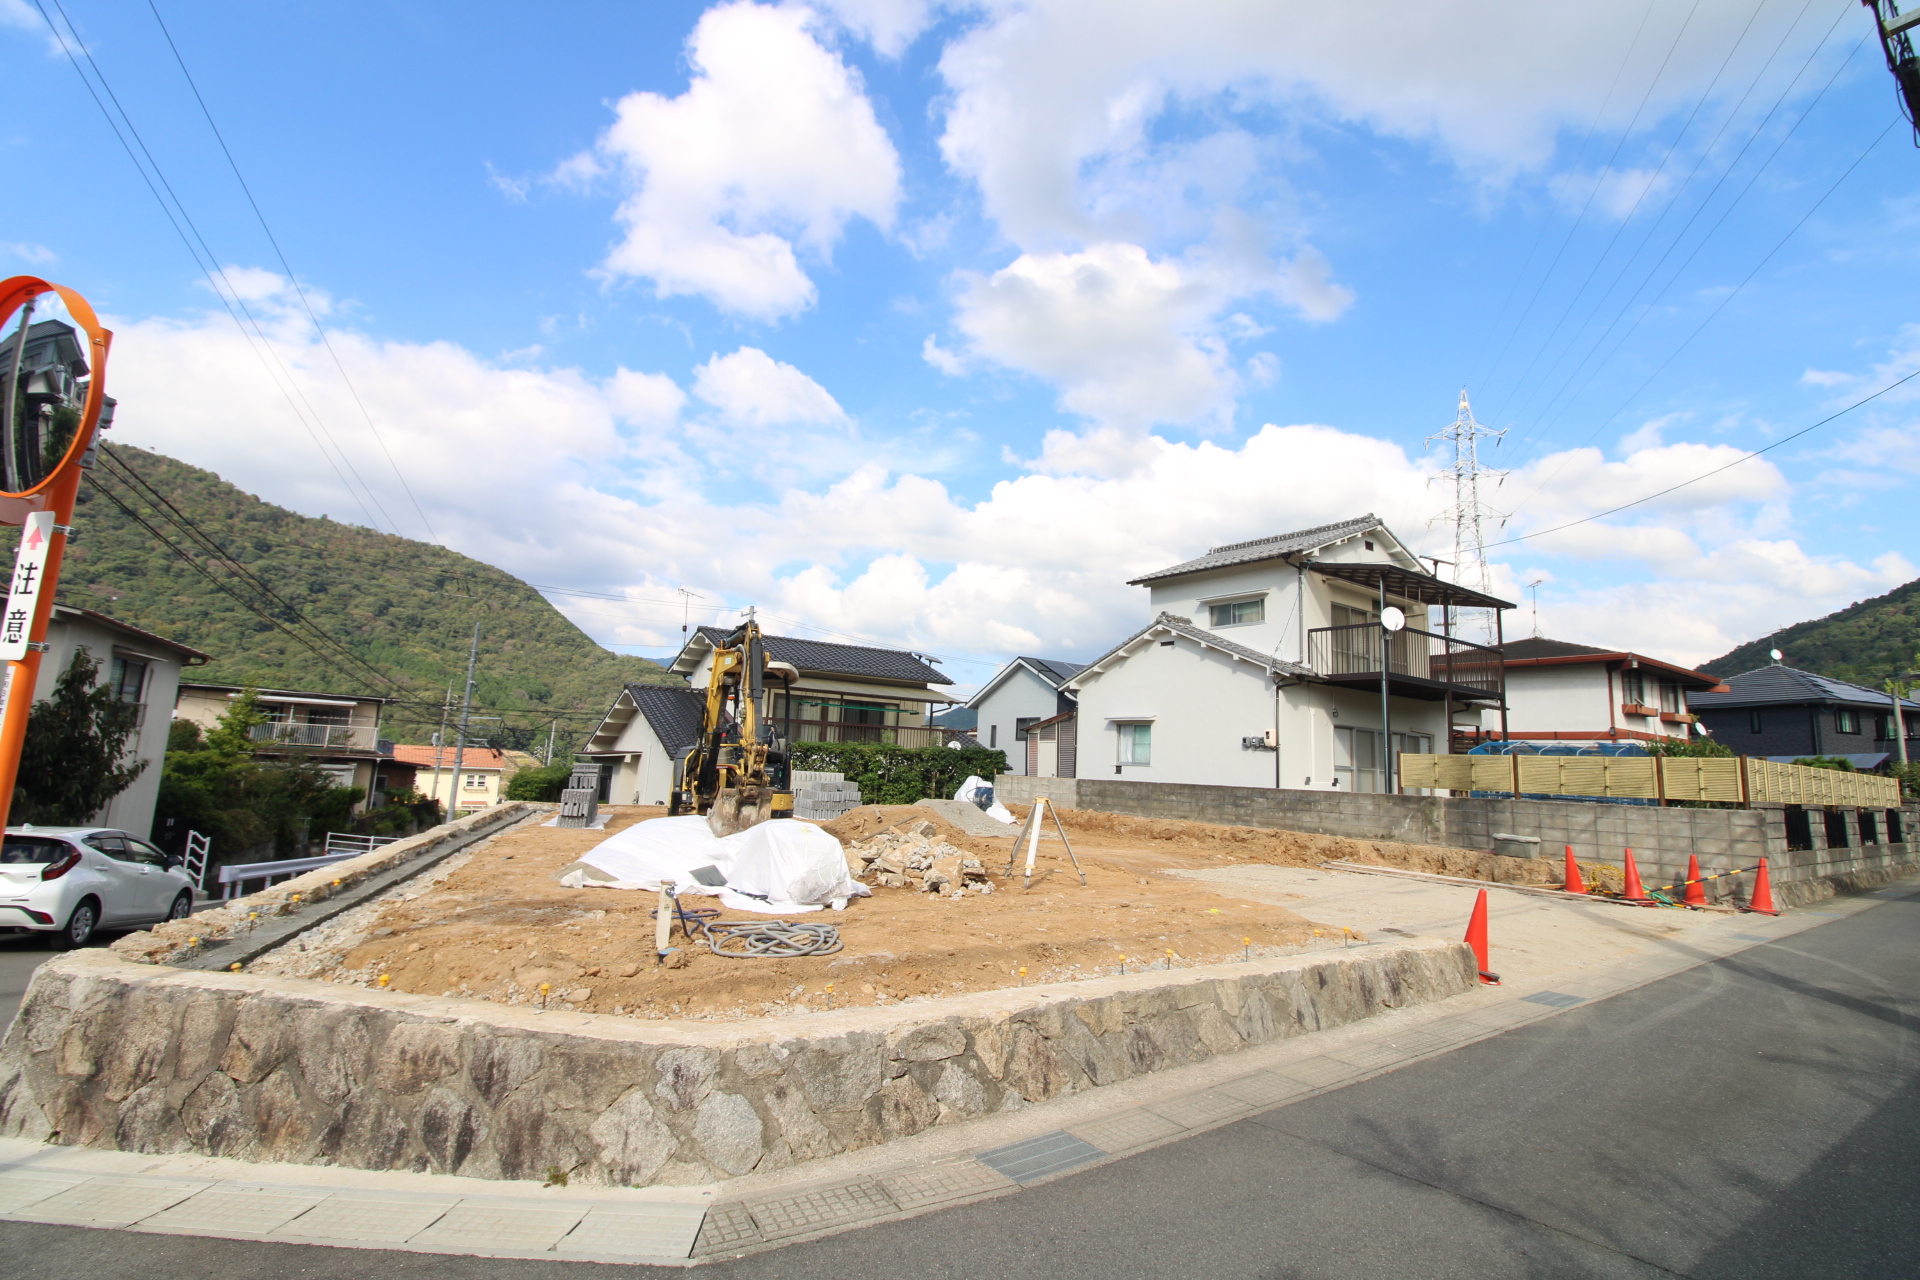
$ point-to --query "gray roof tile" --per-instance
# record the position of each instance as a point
(675, 714)
(1784, 686)
(842, 659)
(1280, 544)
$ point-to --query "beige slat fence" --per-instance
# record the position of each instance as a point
(1651, 778)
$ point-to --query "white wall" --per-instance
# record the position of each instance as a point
(1289, 616)
(1201, 704)
(642, 769)
(1020, 695)
(1557, 699)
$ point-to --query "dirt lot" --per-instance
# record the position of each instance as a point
(494, 924)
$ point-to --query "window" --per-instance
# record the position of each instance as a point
(1136, 743)
(1633, 688)
(1356, 762)
(1669, 697)
(128, 676)
(993, 737)
(1020, 724)
(1846, 720)
(33, 850)
(141, 851)
(476, 781)
(1235, 613)
(1883, 728)
(1753, 721)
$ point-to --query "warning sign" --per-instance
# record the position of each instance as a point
(23, 592)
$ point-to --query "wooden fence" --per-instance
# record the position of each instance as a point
(1728, 779)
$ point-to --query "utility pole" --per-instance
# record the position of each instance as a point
(552, 725)
(1469, 515)
(440, 741)
(466, 706)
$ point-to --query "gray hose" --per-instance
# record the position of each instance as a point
(771, 939)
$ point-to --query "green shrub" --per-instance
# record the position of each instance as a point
(1839, 764)
(899, 775)
(544, 783)
(1707, 747)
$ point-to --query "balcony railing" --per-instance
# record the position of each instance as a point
(1418, 663)
(340, 737)
(898, 735)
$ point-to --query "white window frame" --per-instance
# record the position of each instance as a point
(1127, 742)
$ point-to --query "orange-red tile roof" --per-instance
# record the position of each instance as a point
(427, 757)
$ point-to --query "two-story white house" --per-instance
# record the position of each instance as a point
(1560, 691)
(1262, 667)
(1023, 693)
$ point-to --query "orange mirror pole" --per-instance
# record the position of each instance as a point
(54, 494)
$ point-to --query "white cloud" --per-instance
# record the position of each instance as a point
(773, 144)
(36, 254)
(942, 359)
(560, 477)
(753, 389)
(1123, 336)
(888, 25)
(1048, 92)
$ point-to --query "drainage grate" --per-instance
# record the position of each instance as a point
(1036, 1158)
(1553, 999)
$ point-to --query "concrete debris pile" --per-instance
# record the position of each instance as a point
(916, 857)
(822, 797)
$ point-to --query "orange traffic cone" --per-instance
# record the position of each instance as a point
(1477, 938)
(1574, 883)
(1634, 893)
(1696, 893)
(1762, 900)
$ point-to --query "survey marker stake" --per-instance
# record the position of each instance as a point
(1030, 834)
(1477, 939)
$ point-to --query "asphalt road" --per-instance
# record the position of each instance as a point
(1755, 1117)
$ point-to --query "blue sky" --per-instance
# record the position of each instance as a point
(931, 324)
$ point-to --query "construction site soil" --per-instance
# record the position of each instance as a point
(493, 923)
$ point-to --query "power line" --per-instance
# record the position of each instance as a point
(263, 349)
(1600, 515)
(1534, 432)
(292, 278)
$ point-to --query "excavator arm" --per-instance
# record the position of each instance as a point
(737, 774)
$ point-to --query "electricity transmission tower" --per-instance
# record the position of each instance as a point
(1468, 515)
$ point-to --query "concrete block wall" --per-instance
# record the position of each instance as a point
(1662, 839)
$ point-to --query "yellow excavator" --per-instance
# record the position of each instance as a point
(738, 773)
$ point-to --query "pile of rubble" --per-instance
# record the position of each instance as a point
(916, 857)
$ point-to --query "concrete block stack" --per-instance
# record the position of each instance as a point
(822, 797)
(580, 801)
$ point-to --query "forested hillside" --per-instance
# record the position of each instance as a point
(402, 608)
(1863, 643)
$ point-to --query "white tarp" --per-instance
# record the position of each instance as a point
(793, 866)
(975, 789)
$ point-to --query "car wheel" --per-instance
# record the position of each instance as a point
(182, 906)
(79, 927)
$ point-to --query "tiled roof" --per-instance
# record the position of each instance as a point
(1280, 544)
(674, 714)
(1536, 647)
(1182, 627)
(827, 658)
(1783, 686)
(1053, 669)
(424, 757)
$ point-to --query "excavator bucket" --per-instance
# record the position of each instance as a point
(737, 808)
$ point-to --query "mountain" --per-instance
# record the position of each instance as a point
(406, 609)
(1864, 643)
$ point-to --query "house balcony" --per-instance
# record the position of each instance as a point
(897, 735)
(336, 737)
(1420, 664)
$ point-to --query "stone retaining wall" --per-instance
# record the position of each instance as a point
(1661, 838)
(108, 1052)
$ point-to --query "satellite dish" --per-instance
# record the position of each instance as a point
(1392, 618)
(1776, 654)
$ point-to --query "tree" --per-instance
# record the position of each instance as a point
(74, 760)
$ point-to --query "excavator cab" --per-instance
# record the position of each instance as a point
(738, 773)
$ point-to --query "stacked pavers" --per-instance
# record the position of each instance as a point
(822, 797)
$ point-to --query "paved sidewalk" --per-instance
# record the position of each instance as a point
(939, 1168)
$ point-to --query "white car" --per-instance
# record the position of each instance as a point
(67, 882)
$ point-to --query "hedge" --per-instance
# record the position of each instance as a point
(899, 775)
